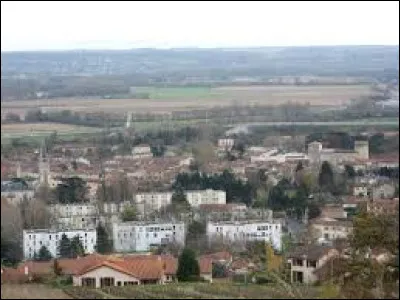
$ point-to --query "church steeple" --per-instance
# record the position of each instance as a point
(44, 166)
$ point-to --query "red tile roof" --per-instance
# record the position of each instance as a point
(220, 256)
(205, 264)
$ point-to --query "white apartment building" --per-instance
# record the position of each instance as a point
(34, 239)
(141, 236)
(142, 151)
(78, 216)
(273, 157)
(112, 208)
(246, 231)
(360, 190)
(149, 202)
(226, 144)
(196, 198)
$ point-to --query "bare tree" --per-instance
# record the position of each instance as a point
(34, 214)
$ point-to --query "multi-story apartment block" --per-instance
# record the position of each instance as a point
(141, 236)
(34, 239)
(242, 231)
(149, 202)
(196, 198)
(78, 216)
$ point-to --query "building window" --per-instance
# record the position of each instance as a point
(297, 277)
(298, 262)
(89, 282)
(311, 264)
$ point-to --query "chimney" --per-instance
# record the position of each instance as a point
(26, 270)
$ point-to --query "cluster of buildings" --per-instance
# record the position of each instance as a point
(227, 223)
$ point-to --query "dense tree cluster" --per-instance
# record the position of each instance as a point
(71, 190)
(236, 189)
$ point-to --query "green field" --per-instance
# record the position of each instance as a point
(167, 99)
(176, 93)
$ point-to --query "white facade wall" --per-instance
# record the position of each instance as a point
(33, 240)
(142, 151)
(360, 191)
(307, 269)
(112, 208)
(226, 143)
(383, 191)
(325, 232)
(138, 236)
(78, 216)
(106, 272)
(247, 231)
(15, 197)
(148, 202)
(196, 198)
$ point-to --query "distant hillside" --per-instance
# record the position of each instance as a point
(338, 61)
(28, 75)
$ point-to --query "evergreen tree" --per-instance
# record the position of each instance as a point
(76, 247)
(64, 248)
(325, 179)
(349, 171)
(43, 255)
(299, 166)
(129, 214)
(188, 266)
(104, 244)
(178, 196)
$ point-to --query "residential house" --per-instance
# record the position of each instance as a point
(383, 191)
(333, 212)
(328, 229)
(303, 262)
(383, 206)
(120, 272)
(205, 265)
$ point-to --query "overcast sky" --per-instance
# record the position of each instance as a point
(122, 25)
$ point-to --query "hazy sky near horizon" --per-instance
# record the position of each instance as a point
(40, 25)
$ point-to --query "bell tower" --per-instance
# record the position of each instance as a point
(44, 166)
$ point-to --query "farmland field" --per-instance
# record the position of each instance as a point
(41, 128)
(33, 131)
(184, 98)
